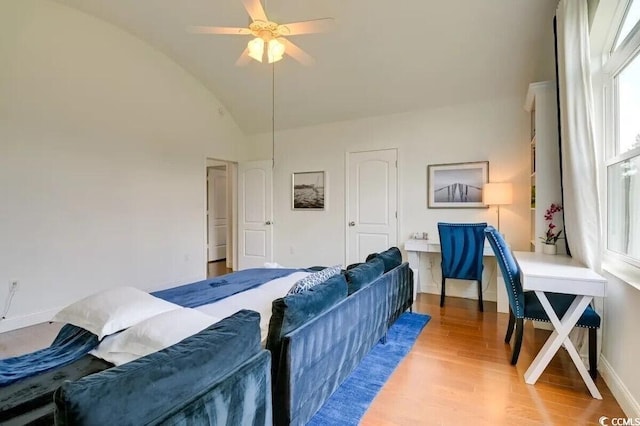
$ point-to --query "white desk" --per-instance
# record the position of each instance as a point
(560, 274)
(415, 247)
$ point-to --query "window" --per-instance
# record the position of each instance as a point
(631, 18)
(629, 106)
(623, 139)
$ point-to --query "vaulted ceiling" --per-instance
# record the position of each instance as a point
(382, 58)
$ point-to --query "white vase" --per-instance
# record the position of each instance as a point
(549, 248)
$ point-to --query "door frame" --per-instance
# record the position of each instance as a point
(232, 196)
(346, 195)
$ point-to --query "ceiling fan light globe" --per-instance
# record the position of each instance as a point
(275, 50)
(256, 49)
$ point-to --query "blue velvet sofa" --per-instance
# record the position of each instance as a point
(325, 333)
(220, 376)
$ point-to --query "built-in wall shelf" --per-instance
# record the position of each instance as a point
(545, 158)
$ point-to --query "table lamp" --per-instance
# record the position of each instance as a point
(497, 194)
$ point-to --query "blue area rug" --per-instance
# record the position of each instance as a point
(348, 404)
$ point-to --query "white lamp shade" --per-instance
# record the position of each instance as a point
(256, 48)
(497, 194)
(275, 50)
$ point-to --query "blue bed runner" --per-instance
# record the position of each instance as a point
(209, 291)
(74, 342)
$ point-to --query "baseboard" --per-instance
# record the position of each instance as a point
(488, 295)
(15, 323)
(627, 402)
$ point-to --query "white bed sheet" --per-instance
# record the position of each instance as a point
(257, 299)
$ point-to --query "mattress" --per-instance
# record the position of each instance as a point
(257, 299)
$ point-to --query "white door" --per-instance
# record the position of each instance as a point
(372, 218)
(255, 231)
(217, 212)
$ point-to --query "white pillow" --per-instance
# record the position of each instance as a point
(152, 335)
(113, 310)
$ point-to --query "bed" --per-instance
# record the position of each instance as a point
(28, 398)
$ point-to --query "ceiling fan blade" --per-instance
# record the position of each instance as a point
(244, 58)
(219, 30)
(322, 25)
(255, 10)
(298, 54)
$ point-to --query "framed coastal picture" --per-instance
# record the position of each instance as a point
(308, 191)
(456, 185)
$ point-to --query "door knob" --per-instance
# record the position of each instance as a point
(352, 223)
(268, 222)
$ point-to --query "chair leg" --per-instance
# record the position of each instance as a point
(480, 304)
(593, 355)
(442, 293)
(518, 343)
(512, 323)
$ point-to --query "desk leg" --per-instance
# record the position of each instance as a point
(559, 337)
(414, 264)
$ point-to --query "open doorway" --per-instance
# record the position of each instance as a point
(220, 213)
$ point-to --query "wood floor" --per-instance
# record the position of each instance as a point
(217, 268)
(459, 373)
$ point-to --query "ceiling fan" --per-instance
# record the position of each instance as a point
(269, 42)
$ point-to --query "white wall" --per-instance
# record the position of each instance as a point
(103, 145)
(495, 130)
(620, 343)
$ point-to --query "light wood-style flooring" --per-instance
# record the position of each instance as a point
(217, 268)
(459, 373)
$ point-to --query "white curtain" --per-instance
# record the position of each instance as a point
(579, 168)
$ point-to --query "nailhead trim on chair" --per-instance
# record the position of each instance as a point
(542, 320)
(504, 260)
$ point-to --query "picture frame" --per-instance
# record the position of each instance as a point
(308, 190)
(456, 185)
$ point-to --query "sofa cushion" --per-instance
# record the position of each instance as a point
(363, 274)
(314, 279)
(138, 392)
(294, 310)
(392, 258)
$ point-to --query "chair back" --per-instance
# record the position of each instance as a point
(510, 270)
(462, 245)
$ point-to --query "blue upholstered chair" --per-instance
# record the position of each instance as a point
(461, 246)
(525, 304)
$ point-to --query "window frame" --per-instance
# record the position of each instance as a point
(614, 61)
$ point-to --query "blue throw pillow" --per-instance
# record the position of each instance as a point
(364, 273)
(392, 258)
(314, 279)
